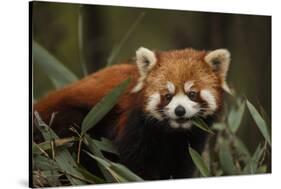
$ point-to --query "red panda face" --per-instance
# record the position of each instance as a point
(183, 84)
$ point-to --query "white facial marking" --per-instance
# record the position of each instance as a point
(187, 125)
(152, 104)
(190, 107)
(210, 99)
(188, 85)
(171, 87)
(174, 124)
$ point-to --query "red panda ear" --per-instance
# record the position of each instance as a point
(219, 60)
(145, 60)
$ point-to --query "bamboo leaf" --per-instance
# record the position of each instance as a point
(37, 148)
(95, 150)
(106, 166)
(226, 160)
(44, 163)
(264, 115)
(251, 167)
(198, 122)
(117, 177)
(52, 177)
(103, 106)
(81, 40)
(56, 71)
(125, 172)
(220, 126)
(198, 161)
(260, 122)
(241, 149)
(235, 116)
(106, 145)
(90, 176)
(262, 169)
(63, 158)
(119, 171)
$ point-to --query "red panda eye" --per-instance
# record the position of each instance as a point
(192, 95)
(168, 97)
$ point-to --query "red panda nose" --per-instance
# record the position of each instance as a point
(179, 111)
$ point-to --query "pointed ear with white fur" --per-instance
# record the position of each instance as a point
(219, 61)
(145, 60)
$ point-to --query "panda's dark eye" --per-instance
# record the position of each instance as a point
(192, 95)
(168, 96)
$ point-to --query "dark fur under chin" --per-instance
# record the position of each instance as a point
(153, 150)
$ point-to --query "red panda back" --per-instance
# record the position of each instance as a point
(73, 102)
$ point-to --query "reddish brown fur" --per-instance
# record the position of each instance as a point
(181, 66)
(74, 101)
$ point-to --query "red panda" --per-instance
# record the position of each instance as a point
(151, 123)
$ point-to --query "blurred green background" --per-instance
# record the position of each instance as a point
(82, 37)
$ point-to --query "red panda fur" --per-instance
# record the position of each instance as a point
(74, 101)
(177, 71)
(84, 94)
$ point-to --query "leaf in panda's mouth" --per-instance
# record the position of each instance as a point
(198, 122)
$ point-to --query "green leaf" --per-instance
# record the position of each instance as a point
(117, 177)
(118, 171)
(235, 116)
(81, 39)
(262, 169)
(198, 161)
(225, 158)
(89, 176)
(52, 177)
(103, 106)
(56, 71)
(241, 149)
(37, 148)
(44, 163)
(106, 145)
(251, 167)
(104, 165)
(219, 126)
(259, 122)
(62, 157)
(95, 150)
(264, 115)
(198, 122)
(125, 172)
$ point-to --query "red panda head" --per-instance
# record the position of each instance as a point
(179, 85)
